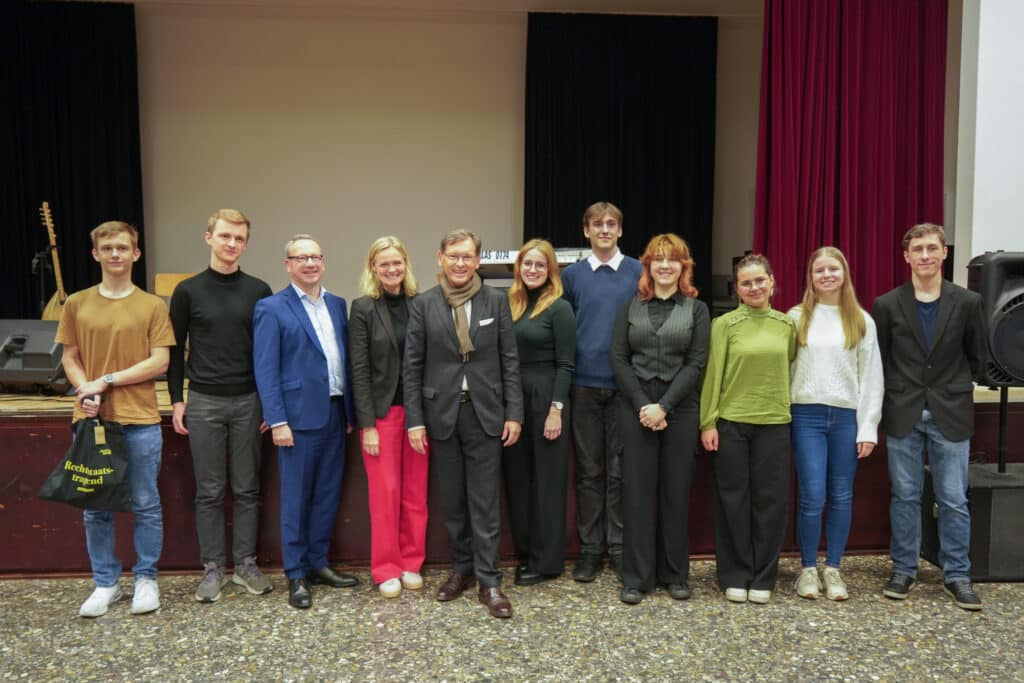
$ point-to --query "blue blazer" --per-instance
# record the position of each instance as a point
(291, 367)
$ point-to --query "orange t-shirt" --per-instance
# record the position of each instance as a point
(114, 334)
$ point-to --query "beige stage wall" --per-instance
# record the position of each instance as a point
(350, 125)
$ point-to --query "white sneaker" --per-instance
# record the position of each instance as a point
(391, 588)
(835, 587)
(808, 585)
(736, 594)
(103, 597)
(147, 596)
(759, 596)
(412, 581)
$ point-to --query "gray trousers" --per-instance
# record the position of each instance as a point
(224, 438)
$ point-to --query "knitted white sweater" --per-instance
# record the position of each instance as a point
(827, 372)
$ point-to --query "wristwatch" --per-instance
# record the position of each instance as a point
(108, 379)
(557, 405)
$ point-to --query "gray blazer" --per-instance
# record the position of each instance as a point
(375, 361)
(433, 370)
(940, 375)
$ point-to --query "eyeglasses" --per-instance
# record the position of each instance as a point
(756, 283)
(309, 258)
(459, 258)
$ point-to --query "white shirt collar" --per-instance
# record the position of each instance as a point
(613, 262)
(303, 296)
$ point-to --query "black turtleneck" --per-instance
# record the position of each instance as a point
(213, 311)
(398, 310)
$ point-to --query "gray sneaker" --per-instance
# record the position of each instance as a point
(249, 576)
(213, 581)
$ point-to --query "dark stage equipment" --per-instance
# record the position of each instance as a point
(997, 526)
(30, 358)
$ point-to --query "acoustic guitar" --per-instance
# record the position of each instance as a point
(52, 310)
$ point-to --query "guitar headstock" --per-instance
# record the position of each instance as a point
(44, 212)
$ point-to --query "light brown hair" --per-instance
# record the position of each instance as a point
(111, 228)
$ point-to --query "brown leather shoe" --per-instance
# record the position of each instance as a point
(453, 586)
(497, 604)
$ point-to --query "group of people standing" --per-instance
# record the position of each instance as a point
(615, 354)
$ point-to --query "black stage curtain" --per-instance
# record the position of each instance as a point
(622, 109)
(69, 134)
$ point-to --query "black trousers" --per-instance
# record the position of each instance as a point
(751, 480)
(598, 450)
(657, 473)
(469, 471)
(536, 477)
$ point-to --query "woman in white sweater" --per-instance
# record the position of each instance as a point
(837, 391)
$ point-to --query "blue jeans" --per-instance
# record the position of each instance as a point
(825, 454)
(145, 442)
(948, 462)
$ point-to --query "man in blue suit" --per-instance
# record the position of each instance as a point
(302, 374)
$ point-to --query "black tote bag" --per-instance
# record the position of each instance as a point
(94, 472)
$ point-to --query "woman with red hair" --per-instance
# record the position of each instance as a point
(659, 349)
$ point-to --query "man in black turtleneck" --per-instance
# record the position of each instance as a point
(222, 418)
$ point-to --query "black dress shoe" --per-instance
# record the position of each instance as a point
(520, 568)
(588, 566)
(298, 594)
(630, 595)
(679, 591)
(529, 577)
(326, 576)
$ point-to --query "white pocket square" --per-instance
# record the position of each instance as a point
(486, 321)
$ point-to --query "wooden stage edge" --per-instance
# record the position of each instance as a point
(46, 539)
(36, 405)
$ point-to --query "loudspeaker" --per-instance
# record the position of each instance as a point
(30, 358)
(999, 277)
(997, 522)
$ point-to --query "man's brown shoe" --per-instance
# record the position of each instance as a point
(453, 586)
(497, 604)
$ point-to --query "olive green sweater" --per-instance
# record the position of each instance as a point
(747, 376)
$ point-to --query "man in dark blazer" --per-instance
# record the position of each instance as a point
(462, 387)
(302, 374)
(931, 334)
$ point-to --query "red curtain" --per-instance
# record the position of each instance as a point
(850, 149)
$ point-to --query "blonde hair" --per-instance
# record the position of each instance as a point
(231, 216)
(111, 228)
(854, 326)
(369, 283)
(552, 289)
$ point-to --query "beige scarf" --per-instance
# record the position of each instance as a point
(457, 298)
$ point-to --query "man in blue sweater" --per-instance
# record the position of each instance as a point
(598, 288)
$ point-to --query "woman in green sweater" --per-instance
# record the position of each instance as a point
(744, 421)
(537, 466)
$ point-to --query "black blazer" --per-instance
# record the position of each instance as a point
(434, 369)
(941, 375)
(376, 364)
